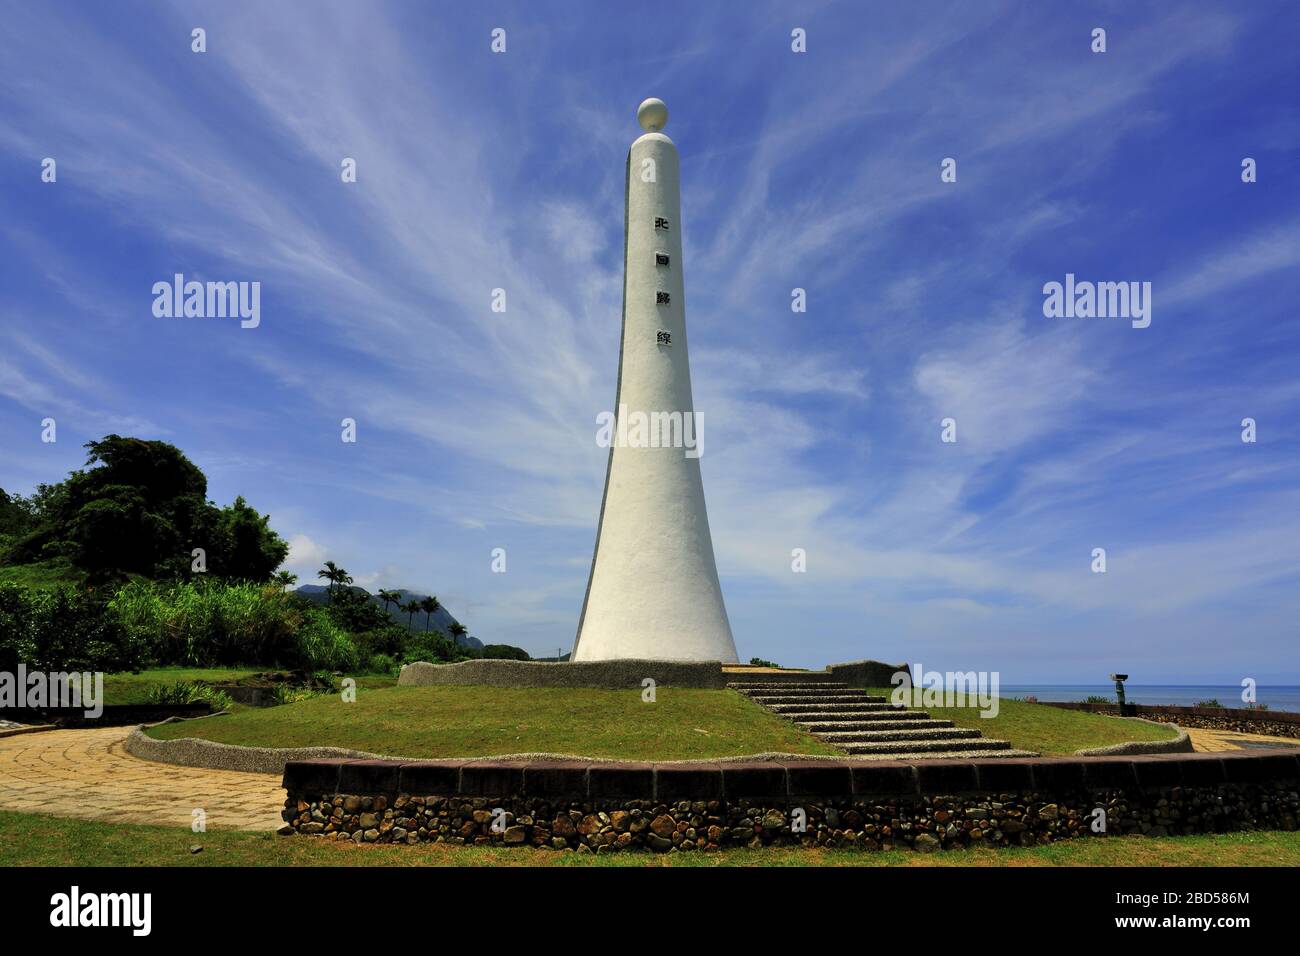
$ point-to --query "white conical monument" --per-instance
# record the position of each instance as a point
(653, 592)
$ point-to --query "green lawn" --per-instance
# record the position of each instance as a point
(462, 721)
(40, 574)
(35, 840)
(1048, 730)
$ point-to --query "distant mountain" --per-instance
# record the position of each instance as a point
(442, 618)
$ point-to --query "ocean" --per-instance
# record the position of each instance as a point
(1278, 698)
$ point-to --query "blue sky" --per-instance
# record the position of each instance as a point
(476, 430)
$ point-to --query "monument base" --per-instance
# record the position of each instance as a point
(631, 673)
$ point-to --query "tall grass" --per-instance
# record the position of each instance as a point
(184, 623)
(189, 692)
(212, 624)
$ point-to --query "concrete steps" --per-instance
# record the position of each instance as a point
(788, 687)
(827, 706)
(825, 728)
(925, 746)
(864, 725)
(851, 716)
(906, 732)
(947, 755)
(745, 675)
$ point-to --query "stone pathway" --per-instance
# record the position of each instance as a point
(88, 774)
(1217, 741)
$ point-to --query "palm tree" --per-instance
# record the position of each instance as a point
(285, 578)
(430, 607)
(410, 607)
(389, 597)
(330, 573)
(335, 575)
(457, 631)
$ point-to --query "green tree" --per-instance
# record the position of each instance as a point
(353, 611)
(410, 607)
(335, 575)
(17, 514)
(241, 545)
(389, 597)
(285, 578)
(140, 508)
(458, 631)
(430, 607)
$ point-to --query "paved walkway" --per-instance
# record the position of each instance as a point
(1217, 741)
(88, 774)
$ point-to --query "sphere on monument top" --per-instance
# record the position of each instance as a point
(652, 114)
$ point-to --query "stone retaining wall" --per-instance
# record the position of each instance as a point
(615, 675)
(867, 673)
(1270, 724)
(626, 674)
(924, 805)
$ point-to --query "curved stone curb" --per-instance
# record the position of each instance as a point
(1180, 744)
(195, 752)
(32, 729)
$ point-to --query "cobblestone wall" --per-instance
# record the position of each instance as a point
(923, 806)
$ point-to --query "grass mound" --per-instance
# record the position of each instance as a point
(463, 721)
(468, 721)
(1049, 730)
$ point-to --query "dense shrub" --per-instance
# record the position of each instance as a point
(504, 652)
(356, 613)
(202, 623)
(64, 628)
(323, 644)
(386, 641)
(432, 647)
